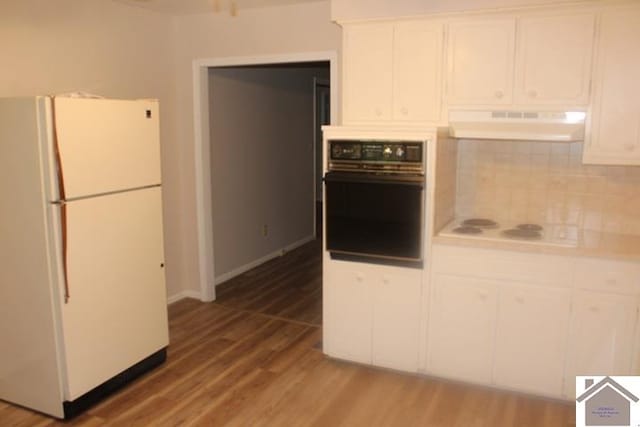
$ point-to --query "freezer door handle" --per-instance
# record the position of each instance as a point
(62, 197)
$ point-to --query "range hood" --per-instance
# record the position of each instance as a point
(565, 126)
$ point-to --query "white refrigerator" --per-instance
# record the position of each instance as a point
(82, 285)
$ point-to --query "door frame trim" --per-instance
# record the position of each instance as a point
(204, 220)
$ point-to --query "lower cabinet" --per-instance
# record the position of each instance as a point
(488, 322)
(531, 338)
(347, 312)
(372, 314)
(462, 328)
(601, 336)
(492, 324)
(396, 318)
(494, 332)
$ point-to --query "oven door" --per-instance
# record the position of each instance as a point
(374, 217)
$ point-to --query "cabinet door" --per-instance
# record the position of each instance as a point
(396, 318)
(368, 55)
(348, 313)
(480, 62)
(461, 330)
(601, 336)
(531, 338)
(614, 136)
(417, 71)
(554, 60)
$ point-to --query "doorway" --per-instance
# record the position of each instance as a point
(205, 169)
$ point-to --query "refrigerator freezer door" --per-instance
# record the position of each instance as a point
(117, 310)
(107, 145)
(29, 356)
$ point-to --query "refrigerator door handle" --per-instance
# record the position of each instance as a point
(61, 203)
(63, 220)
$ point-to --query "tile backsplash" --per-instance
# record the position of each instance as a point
(445, 189)
(545, 183)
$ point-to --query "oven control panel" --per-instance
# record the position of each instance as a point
(386, 155)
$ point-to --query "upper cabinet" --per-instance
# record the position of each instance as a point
(553, 61)
(480, 62)
(368, 72)
(393, 72)
(547, 63)
(613, 136)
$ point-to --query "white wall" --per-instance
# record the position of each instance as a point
(268, 31)
(346, 10)
(104, 48)
(262, 161)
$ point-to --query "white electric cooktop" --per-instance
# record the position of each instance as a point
(517, 232)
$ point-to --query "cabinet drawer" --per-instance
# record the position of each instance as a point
(503, 265)
(608, 276)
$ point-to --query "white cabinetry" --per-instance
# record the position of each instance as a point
(531, 322)
(531, 338)
(392, 72)
(462, 328)
(614, 136)
(601, 336)
(368, 72)
(548, 64)
(554, 59)
(499, 317)
(417, 71)
(480, 62)
(372, 314)
(604, 320)
(396, 317)
(347, 311)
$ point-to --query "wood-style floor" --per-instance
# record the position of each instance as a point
(253, 359)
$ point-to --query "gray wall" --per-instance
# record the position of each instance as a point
(262, 161)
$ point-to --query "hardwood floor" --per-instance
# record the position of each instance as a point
(288, 287)
(241, 362)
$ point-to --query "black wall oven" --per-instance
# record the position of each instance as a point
(375, 201)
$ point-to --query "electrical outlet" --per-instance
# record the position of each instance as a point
(265, 230)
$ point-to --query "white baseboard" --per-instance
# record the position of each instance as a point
(182, 295)
(238, 271)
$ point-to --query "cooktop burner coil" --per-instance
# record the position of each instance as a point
(467, 229)
(480, 222)
(519, 233)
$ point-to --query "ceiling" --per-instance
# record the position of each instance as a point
(187, 7)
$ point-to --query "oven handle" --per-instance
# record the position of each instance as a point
(368, 178)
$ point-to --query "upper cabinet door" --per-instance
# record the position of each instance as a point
(480, 62)
(553, 65)
(107, 145)
(368, 72)
(614, 136)
(417, 71)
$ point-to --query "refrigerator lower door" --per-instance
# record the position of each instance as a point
(116, 314)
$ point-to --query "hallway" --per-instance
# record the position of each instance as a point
(288, 287)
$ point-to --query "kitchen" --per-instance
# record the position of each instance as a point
(148, 47)
(528, 229)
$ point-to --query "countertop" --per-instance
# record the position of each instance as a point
(622, 247)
